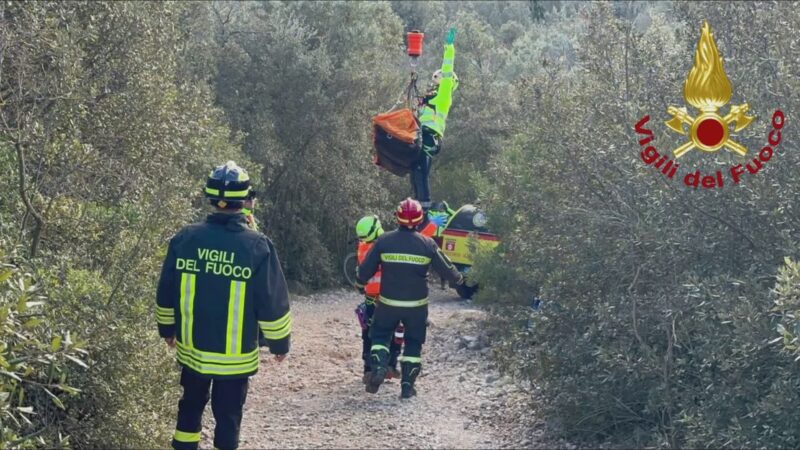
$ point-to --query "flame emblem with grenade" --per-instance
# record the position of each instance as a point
(708, 89)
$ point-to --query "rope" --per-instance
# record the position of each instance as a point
(411, 94)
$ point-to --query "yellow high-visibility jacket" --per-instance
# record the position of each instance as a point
(433, 114)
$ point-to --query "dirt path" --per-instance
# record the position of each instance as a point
(315, 399)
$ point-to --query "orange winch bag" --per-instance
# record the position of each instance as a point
(396, 141)
(401, 124)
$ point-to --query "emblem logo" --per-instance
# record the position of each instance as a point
(708, 90)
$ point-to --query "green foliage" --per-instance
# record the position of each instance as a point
(130, 375)
(660, 315)
(106, 105)
(36, 360)
(787, 290)
(302, 80)
(657, 319)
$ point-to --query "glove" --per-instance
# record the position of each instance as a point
(437, 219)
(451, 36)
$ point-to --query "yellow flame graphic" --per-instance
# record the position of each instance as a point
(707, 87)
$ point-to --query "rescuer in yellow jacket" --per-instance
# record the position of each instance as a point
(221, 284)
(432, 115)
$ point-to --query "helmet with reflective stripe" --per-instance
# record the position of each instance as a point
(369, 228)
(409, 213)
(437, 78)
(228, 185)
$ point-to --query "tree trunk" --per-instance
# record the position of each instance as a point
(39, 226)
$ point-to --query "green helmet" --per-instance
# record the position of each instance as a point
(369, 228)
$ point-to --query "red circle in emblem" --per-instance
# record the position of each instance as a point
(710, 132)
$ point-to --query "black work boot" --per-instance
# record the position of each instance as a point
(410, 371)
(379, 360)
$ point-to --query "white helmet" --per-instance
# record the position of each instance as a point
(437, 78)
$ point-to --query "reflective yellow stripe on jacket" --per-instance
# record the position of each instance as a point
(187, 307)
(211, 363)
(233, 339)
(232, 362)
(405, 258)
(165, 316)
(277, 329)
(429, 118)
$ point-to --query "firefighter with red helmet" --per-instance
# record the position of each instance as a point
(404, 256)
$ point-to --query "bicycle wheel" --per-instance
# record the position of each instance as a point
(349, 268)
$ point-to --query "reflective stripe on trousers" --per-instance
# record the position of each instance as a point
(403, 303)
(184, 436)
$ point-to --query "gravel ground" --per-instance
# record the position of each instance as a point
(315, 398)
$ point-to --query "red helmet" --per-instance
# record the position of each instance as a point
(409, 213)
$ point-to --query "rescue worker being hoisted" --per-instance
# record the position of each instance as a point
(404, 257)
(432, 114)
(221, 283)
(368, 229)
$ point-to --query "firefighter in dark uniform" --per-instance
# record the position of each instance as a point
(221, 283)
(405, 257)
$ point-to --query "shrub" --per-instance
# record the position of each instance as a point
(657, 316)
(787, 303)
(37, 360)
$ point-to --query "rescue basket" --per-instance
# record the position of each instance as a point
(396, 141)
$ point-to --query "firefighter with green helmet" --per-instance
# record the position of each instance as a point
(221, 284)
(368, 229)
(432, 115)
